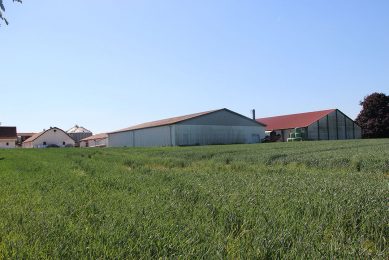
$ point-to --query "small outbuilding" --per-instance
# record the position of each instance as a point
(8, 136)
(23, 137)
(52, 137)
(220, 126)
(99, 140)
(331, 124)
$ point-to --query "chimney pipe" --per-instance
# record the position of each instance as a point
(253, 111)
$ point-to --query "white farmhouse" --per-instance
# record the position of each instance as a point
(52, 137)
(221, 126)
(8, 137)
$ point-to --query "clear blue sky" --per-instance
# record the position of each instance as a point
(111, 64)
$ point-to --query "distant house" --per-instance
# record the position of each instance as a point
(220, 126)
(8, 136)
(52, 137)
(99, 140)
(77, 133)
(329, 124)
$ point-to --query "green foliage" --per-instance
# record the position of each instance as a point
(304, 200)
(374, 116)
(2, 10)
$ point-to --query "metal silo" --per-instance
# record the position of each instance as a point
(77, 133)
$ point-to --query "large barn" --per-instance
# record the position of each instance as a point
(329, 124)
(221, 126)
(52, 137)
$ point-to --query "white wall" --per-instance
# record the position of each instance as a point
(216, 134)
(10, 142)
(52, 136)
(122, 139)
(156, 136)
(187, 135)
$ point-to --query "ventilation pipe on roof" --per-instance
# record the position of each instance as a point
(253, 112)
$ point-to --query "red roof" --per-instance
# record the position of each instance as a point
(173, 120)
(293, 120)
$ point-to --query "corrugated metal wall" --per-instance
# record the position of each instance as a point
(221, 127)
(332, 126)
(313, 132)
(122, 139)
(156, 136)
(341, 126)
(214, 134)
(349, 129)
(358, 132)
(335, 126)
(183, 135)
(79, 136)
(323, 129)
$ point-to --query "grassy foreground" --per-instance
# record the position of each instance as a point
(291, 200)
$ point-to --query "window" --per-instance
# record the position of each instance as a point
(44, 143)
(63, 143)
(7, 144)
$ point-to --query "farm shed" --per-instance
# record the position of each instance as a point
(8, 136)
(23, 137)
(221, 126)
(78, 133)
(50, 137)
(329, 124)
(99, 140)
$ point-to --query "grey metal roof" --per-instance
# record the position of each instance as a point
(78, 129)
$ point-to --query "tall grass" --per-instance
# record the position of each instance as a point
(289, 200)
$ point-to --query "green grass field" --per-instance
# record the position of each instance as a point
(292, 200)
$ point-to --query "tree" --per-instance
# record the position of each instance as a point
(374, 116)
(2, 10)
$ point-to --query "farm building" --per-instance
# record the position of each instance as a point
(8, 136)
(221, 126)
(52, 137)
(99, 140)
(329, 124)
(23, 137)
(78, 133)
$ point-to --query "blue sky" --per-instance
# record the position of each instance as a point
(106, 65)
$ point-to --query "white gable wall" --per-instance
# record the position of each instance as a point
(52, 136)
